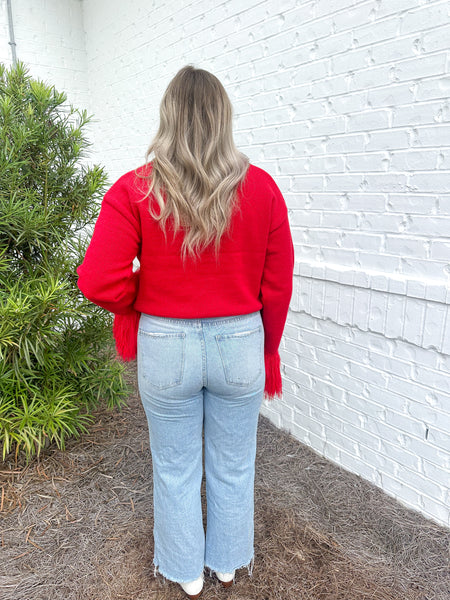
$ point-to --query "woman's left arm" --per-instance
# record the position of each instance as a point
(106, 275)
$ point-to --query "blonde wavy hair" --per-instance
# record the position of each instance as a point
(197, 169)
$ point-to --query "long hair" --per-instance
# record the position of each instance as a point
(197, 169)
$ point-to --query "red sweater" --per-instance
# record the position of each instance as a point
(255, 269)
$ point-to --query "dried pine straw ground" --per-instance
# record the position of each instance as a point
(78, 525)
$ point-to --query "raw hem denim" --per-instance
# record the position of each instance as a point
(249, 564)
(171, 577)
(202, 379)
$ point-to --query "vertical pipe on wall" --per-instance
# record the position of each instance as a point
(12, 41)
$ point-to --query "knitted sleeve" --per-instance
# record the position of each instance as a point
(106, 275)
(276, 290)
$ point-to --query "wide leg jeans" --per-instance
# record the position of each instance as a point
(202, 377)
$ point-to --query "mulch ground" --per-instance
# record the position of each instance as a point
(78, 525)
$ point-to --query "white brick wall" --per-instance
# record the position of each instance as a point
(346, 103)
(49, 38)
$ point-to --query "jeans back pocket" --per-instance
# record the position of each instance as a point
(162, 357)
(242, 355)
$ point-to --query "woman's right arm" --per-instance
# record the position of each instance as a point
(276, 290)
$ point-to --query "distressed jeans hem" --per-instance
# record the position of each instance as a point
(249, 564)
(168, 576)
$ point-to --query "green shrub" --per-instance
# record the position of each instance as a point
(56, 348)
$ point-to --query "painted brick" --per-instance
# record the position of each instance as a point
(425, 17)
(398, 490)
(435, 510)
(412, 203)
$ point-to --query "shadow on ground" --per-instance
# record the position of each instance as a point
(78, 525)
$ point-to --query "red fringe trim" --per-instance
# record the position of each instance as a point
(273, 386)
(125, 332)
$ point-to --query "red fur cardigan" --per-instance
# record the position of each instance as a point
(254, 271)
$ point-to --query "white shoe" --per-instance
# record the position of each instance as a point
(225, 578)
(193, 588)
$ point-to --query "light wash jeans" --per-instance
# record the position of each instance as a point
(197, 374)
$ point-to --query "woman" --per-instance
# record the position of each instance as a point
(204, 314)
